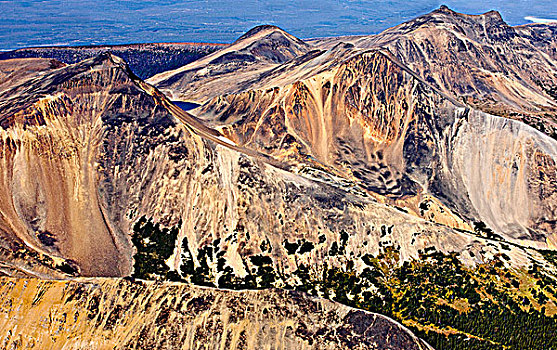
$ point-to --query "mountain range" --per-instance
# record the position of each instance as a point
(409, 175)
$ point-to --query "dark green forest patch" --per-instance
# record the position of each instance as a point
(154, 245)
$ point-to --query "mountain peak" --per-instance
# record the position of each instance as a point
(491, 21)
(261, 48)
(106, 58)
(108, 68)
(264, 42)
(493, 15)
(445, 8)
(266, 30)
(258, 29)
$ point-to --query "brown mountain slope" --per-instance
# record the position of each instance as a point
(102, 175)
(101, 172)
(51, 131)
(479, 60)
(371, 121)
(259, 50)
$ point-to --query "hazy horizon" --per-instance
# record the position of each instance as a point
(76, 22)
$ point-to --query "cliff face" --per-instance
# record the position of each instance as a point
(53, 132)
(112, 313)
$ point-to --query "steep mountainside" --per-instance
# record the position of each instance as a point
(259, 50)
(92, 154)
(479, 60)
(98, 170)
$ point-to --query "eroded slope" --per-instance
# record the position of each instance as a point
(374, 123)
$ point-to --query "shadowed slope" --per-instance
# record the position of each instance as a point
(543, 36)
(145, 60)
